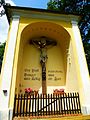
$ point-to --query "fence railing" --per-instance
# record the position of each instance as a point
(31, 105)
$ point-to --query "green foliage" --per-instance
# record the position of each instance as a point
(76, 7)
(52, 5)
(69, 6)
(2, 46)
(86, 44)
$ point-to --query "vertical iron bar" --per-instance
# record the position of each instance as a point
(26, 104)
(43, 104)
(21, 105)
(71, 102)
(15, 99)
(59, 103)
(54, 103)
(66, 103)
(35, 104)
(29, 104)
(46, 104)
(74, 97)
(18, 106)
(38, 105)
(79, 103)
(32, 103)
(51, 105)
(76, 103)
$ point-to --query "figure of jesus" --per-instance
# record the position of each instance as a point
(43, 43)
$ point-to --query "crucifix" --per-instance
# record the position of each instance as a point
(43, 43)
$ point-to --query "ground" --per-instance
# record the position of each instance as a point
(79, 117)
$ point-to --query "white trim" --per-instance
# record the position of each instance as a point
(83, 69)
(47, 16)
(8, 66)
(80, 52)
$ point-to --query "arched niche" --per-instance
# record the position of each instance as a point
(57, 56)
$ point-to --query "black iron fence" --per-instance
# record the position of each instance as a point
(31, 105)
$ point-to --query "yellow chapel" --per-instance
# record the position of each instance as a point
(44, 51)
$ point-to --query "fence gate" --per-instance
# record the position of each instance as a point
(40, 105)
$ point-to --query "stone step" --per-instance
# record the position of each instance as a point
(69, 117)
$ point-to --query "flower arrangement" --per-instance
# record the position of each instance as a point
(28, 90)
(58, 91)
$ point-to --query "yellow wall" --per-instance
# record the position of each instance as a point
(72, 78)
(55, 67)
(31, 68)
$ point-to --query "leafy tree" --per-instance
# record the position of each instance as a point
(69, 6)
(2, 46)
(79, 7)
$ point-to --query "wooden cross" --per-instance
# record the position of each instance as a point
(42, 43)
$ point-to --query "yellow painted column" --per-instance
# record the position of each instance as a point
(82, 69)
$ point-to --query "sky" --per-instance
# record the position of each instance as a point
(25, 3)
(32, 3)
